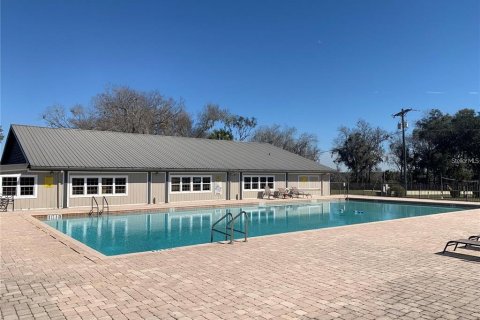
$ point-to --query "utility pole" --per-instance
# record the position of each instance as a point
(403, 125)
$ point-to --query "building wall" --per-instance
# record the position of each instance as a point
(46, 195)
(235, 186)
(136, 193)
(326, 184)
(314, 188)
(279, 183)
(218, 179)
(50, 196)
(158, 187)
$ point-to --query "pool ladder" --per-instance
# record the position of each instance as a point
(230, 226)
(97, 207)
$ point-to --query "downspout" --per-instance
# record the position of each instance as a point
(149, 187)
(65, 189)
(241, 185)
(167, 187)
(228, 186)
(58, 189)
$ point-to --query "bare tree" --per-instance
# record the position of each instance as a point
(211, 115)
(126, 110)
(241, 127)
(77, 117)
(305, 145)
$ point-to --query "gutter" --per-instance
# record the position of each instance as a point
(40, 168)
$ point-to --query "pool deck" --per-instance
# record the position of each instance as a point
(382, 270)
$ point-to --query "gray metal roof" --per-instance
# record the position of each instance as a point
(52, 148)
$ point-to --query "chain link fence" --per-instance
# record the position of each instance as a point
(453, 190)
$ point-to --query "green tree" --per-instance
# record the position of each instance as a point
(360, 149)
(448, 145)
(221, 134)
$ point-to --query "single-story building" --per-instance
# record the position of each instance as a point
(62, 168)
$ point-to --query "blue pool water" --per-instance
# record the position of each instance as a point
(116, 234)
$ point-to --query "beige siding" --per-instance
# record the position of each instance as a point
(158, 187)
(235, 186)
(46, 195)
(326, 184)
(279, 183)
(136, 190)
(315, 188)
(219, 178)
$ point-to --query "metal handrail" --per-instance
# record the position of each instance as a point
(91, 210)
(104, 201)
(225, 216)
(231, 224)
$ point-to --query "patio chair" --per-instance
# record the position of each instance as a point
(283, 192)
(5, 202)
(466, 242)
(268, 193)
(297, 193)
(476, 238)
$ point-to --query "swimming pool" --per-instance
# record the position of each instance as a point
(116, 234)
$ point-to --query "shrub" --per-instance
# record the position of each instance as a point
(397, 190)
(455, 193)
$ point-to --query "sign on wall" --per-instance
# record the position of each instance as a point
(48, 182)
(218, 188)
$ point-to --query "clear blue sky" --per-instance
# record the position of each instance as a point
(315, 65)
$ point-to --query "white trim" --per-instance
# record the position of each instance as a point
(191, 176)
(309, 182)
(77, 172)
(18, 186)
(257, 176)
(99, 186)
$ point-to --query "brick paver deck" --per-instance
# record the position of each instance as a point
(379, 270)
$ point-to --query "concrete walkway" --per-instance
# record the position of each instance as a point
(382, 270)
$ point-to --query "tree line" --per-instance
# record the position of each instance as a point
(440, 144)
(124, 109)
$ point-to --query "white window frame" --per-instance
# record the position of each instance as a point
(18, 176)
(99, 186)
(257, 176)
(180, 176)
(309, 182)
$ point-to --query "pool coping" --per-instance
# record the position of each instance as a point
(78, 246)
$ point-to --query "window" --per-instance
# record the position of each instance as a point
(258, 182)
(206, 183)
(78, 186)
(197, 183)
(120, 185)
(98, 186)
(190, 183)
(9, 186)
(309, 182)
(19, 186)
(175, 184)
(270, 182)
(254, 183)
(185, 183)
(247, 183)
(107, 185)
(92, 186)
(27, 186)
(263, 182)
